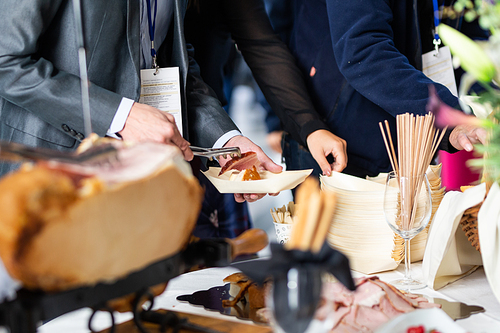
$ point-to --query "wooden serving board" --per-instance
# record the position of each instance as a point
(225, 326)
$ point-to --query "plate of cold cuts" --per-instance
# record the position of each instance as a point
(242, 181)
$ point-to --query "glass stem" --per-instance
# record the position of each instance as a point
(407, 260)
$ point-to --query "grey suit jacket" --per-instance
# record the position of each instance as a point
(40, 98)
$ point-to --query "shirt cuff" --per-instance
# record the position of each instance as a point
(225, 138)
(120, 117)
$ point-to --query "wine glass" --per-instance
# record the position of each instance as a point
(407, 210)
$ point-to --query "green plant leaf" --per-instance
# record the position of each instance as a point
(473, 59)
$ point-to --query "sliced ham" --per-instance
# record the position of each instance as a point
(350, 318)
(370, 318)
(324, 310)
(397, 299)
(417, 298)
(247, 161)
(372, 304)
(339, 315)
(345, 328)
(337, 293)
(387, 308)
(427, 305)
(368, 294)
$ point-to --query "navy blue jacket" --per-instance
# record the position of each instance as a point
(362, 62)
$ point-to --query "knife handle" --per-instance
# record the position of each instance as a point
(249, 242)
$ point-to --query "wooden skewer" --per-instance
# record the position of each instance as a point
(389, 152)
(435, 147)
(392, 145)
(418, 141)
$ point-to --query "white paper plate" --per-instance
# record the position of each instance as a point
(270, 182)
(434, 318)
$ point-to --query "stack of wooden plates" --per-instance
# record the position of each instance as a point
(359, 228)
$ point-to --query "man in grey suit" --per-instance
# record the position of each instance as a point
(40, 103)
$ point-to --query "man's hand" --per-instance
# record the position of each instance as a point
(322, 143)
(246, 145)
(146, 123)
(464, 136)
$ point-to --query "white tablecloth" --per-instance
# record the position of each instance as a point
(472, 290)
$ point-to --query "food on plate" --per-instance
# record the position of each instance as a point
(371, 305)
(246, 161)
(248, 298)
(242, 288)
(245, 175)
(270, 182)
(65, 226)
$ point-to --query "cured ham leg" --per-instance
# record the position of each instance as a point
(65, 226)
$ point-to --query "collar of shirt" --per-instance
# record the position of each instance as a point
(163, 19)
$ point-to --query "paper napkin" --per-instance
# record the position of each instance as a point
(449, 255)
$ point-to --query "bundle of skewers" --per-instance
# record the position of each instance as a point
(417, 143)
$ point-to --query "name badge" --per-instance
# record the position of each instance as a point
(438, 67)
(160, 88)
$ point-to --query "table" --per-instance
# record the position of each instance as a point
(472, 290)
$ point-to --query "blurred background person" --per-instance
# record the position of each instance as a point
(213, 27)
(363, 64)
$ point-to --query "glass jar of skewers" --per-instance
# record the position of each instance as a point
(407, 198)
(407, 210)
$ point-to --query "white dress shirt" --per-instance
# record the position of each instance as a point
(164, 17)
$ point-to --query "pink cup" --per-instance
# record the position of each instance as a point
(455, 172)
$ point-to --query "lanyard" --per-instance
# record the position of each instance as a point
(437, 40)
(151, 23)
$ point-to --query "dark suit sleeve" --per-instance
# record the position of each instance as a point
(365, 52)
(207, 120)
(32, 82)
(273, 67)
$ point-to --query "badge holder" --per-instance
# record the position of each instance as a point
(437, 64)
(160, 87)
